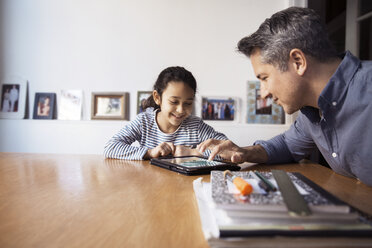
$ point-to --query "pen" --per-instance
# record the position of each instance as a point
(243, 186)
(260, 182)
(265, 181)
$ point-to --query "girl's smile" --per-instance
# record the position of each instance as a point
(178, 117)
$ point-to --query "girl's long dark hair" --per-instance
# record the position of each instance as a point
(175, 74)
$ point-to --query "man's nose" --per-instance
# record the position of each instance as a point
(264, 92)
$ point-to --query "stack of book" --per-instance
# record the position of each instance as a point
(261, 219)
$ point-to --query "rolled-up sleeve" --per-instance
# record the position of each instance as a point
(290, 146)
(276, 149)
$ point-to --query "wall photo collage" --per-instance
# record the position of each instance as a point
(115, 105)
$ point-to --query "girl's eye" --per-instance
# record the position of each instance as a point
(174, 103)
(188, 103)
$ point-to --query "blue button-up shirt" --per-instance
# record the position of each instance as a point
(341, 128)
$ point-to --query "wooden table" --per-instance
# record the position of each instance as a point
(86, 201)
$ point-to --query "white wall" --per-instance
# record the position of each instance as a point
(122, 45)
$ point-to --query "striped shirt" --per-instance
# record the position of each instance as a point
(145, 130)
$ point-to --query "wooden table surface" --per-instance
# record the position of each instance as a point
(87, 201)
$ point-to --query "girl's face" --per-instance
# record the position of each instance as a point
(175, 105)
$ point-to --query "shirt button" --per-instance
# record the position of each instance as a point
(334, 103)
(334, 154)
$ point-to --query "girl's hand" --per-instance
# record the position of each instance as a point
(163, 149)
(181, 150)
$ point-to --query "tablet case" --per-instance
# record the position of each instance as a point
(192, 171)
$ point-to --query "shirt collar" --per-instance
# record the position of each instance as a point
(335, 89)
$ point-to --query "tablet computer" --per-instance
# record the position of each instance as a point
(192, 165)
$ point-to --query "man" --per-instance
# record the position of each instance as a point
(13, 97)
(298, 67)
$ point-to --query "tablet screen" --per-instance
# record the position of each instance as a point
(192, 162)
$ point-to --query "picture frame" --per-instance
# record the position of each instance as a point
(44, 106)
(70, 105)
(262, 111)
(141, 97)
(13, 98)
(110, 106)
(219, 108)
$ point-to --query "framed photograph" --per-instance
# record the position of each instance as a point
(141, 98)
(260, 110)
(110, 106)
(13, 98)
(219, 108)
(44, 106)
(70, 105)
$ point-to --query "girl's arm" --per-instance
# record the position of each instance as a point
(120, 145)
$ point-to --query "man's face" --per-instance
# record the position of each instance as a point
(284, 87)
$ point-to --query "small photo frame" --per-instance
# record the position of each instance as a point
(44, 106)
(110, 106)
(13, 98)
(70, 105)
(260, 110)
(219, 108)
(141, 98)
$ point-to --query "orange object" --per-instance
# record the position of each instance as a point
(243, 186)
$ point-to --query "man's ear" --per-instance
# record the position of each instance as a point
(156, 97)
(298, 61)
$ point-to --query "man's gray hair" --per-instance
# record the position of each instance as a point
(291, 28)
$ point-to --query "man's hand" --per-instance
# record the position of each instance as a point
(230, 151)
(225, 148)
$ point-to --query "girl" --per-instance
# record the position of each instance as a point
(166, 127)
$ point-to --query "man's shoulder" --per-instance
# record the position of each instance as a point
(365, 70)
(362, 81)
